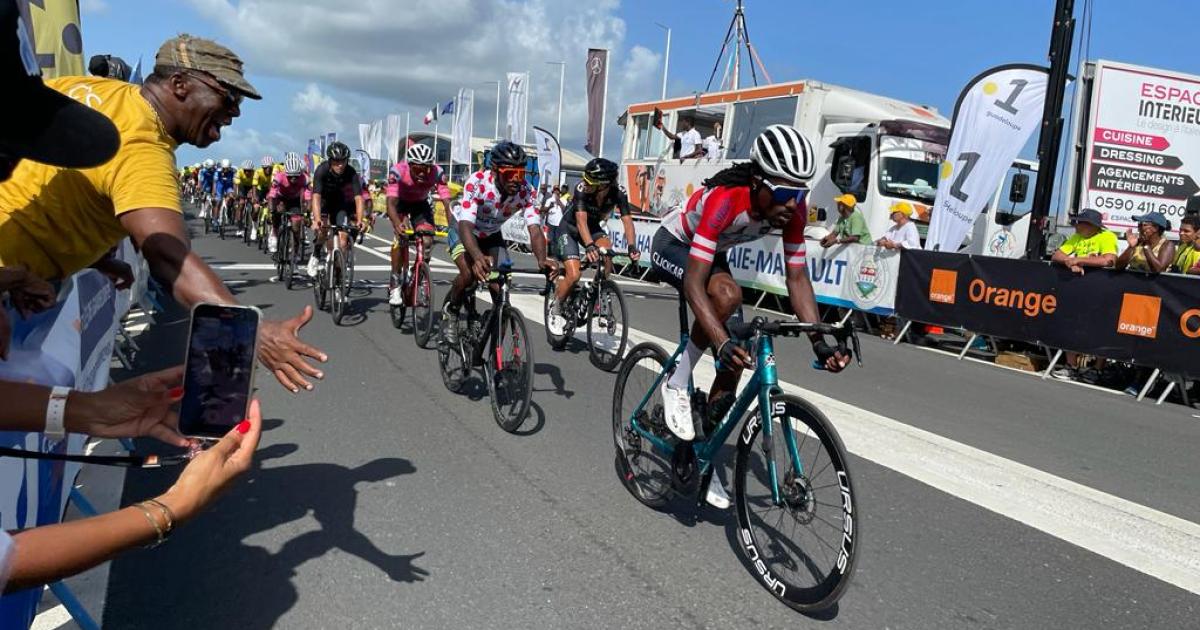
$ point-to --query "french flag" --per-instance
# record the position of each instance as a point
(432, 115)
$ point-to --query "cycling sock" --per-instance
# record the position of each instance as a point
(683, 371)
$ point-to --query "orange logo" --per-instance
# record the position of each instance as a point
(1139, 315)
(943, 286)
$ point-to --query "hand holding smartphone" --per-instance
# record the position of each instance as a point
(219, 372)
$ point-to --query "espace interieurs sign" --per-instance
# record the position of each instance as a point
(1128, 316)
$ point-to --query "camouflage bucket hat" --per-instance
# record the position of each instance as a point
(195, 53)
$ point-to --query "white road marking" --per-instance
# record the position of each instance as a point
(51, 619)
(1160, 545)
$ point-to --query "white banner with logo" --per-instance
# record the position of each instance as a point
(464, 126)
(994, 118)
(518, 105)
(375, 141)
(549, 155)
(391, 138)
(364, 136)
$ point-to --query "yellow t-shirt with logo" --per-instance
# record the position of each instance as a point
(57, 221)
(1104, 242)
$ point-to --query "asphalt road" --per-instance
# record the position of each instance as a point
(987, 498)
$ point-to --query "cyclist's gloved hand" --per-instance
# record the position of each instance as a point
(482, 266)
(593, 253)
(634, 254)
(830, 358)
(733, 356)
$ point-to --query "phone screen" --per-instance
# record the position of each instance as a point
(220, 369)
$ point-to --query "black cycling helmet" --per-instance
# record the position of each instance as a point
(600, 171)
(338, 151)
(508, 153)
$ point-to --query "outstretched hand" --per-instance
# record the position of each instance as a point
(283, 353)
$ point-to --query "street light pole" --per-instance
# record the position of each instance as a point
(666, 59)
(562, 75)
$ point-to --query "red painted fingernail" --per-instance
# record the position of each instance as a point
(243, 427)
(176, 392)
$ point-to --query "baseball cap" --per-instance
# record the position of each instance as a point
(186, 52)
(1157, 218)
(45, 125)
(1089, 216)
(847, 200)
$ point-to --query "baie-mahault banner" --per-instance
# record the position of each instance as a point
(993, 119)
(1150, 320)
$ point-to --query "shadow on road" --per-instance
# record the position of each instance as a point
(556, 379)
(216, 579)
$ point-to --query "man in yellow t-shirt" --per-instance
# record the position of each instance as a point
(1090, 246)
(57, 221)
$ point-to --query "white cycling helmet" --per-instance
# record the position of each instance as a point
(782, 151)
(197, 165)
(419, 154)
(267, 160)
(292, 164)
(248, 165)
(225, 163)
(209, 163)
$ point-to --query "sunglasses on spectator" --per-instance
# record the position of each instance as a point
(781, 194)
(511, 173)
(231, 100)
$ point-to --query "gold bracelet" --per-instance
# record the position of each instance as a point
(153, 523)
(167, 512)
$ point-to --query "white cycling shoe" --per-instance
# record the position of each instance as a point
(395, 297)
(557, 323)
(312, 267)
(716, 495)
(272, 244)
(677, 407)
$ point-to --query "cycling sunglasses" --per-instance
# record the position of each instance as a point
(781, 194)
(511, 172)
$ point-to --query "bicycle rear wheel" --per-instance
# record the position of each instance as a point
(422, 309)
(802, 550)
(607, 327)
(339, 281)
(320, 288)
(509, 371)
(644, 467)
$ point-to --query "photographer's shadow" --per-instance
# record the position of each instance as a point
(216, 564)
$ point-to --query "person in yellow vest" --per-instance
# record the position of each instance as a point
(56, 221)
(1187, 257)
(1090, 246)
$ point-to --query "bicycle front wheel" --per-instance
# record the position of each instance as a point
(509, 371)
(453, 362)
(644, 464)
(422, 309)
(803, 547)
(607, 327)
(339, 282)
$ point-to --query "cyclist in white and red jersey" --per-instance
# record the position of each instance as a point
(408, 186)
(476, 242)
(739, 204)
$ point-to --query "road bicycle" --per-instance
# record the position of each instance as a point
(333, 276)
(223, 216)
(797, 516)
(291, 246)
(417, 289)
(600, 305)
(499, 342)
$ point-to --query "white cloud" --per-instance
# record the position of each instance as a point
(316, 108)
(385, 56)
(93, 6)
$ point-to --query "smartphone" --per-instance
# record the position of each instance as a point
(219, 372)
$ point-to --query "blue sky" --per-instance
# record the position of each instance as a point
(325, 66)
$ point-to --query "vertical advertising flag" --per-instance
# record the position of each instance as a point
(330, 138)
(518, 103)
(375, 141)
(549, 156)
(391, 138)
(597, 88)
(310, 156)
(364, 135)
(464, 127)
(995, 116)
(55, 36)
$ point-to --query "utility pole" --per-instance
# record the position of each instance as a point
(666, 59)
(1050, 139)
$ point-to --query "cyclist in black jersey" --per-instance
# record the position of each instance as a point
(582, 227)
(337, 191)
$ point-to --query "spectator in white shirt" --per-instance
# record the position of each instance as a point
(903, 233)
(688, 140)
(712, 144)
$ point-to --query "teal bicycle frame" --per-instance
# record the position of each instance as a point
(763, 384)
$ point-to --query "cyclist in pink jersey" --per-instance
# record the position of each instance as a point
(409, 185)
(737, 205)
(289, 189)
